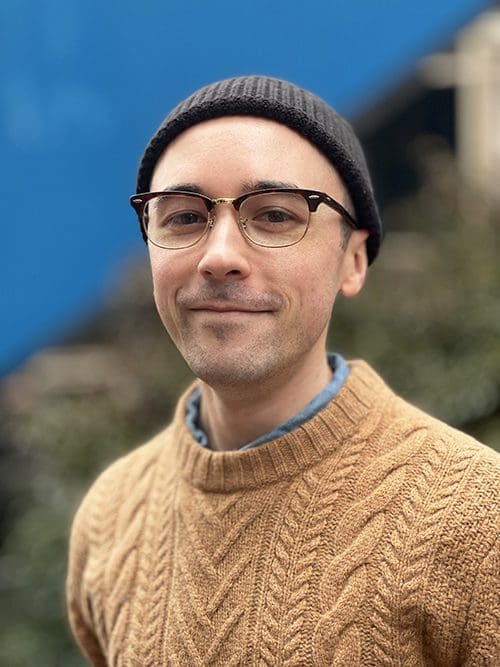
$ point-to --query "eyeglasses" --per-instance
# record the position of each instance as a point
(273, 218)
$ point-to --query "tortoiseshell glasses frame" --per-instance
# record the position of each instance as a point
(274, 217)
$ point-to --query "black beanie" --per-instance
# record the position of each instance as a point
(289, 105)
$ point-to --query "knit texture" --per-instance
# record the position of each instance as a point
(290, 105)
(368, 536)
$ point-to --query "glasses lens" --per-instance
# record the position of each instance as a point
(275, 219)
(175, 221)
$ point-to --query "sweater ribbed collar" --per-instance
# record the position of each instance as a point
(355, 411)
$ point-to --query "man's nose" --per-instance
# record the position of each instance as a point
(224, 249)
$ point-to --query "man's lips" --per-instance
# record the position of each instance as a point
(230, 299)
(227, 308)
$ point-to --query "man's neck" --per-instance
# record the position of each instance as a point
(232, 419)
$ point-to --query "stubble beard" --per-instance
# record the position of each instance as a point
(225, 364)
(236, 357)
(241, 367)
(231, 355)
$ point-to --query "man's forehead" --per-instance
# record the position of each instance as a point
(234, 127)
(252, 140)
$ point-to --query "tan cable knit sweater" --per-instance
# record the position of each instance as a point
(368, 536)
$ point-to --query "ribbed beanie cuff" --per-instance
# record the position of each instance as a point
(290, 105)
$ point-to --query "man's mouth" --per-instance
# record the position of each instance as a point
(226, 307)
(231, 299)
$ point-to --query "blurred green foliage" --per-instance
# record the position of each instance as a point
(429, 317)
(428, 320)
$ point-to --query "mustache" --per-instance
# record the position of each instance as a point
(230, 293)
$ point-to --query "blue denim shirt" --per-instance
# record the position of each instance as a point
(340, 371)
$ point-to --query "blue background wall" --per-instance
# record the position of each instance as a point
(84, 84)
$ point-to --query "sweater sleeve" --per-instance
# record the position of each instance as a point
(470, 562)
(100, 544)
(79, 602)
(481, 640)
(481, 636)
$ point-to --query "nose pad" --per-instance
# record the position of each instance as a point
(213, 218)
(222, 211)
(224, 255)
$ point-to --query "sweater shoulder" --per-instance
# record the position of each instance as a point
(123, 485)
(131, 466)
(455, 441)
(464, 472)
(442, 535)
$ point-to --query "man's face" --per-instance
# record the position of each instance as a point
(242, 314)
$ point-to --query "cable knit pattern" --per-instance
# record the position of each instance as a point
(367, 536)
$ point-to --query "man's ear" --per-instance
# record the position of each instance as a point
(355, 264)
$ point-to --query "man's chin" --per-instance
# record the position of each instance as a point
(223, 371)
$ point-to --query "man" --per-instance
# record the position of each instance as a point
(296, 511)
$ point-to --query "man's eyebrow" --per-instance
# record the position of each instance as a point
(185, 187)
(248, 186)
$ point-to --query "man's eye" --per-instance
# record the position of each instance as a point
(274, 216)
(185, 218)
